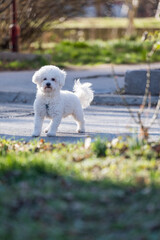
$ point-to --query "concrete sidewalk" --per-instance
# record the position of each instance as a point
(17, 93)
(17, 87)
(109, 122)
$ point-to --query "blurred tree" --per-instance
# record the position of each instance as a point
(4, 23)
(4, 4)
(33, 16)
(147, 8)
(157, 15)
(132, 6)
(98, 7)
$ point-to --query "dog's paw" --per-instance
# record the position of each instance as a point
(46, 130)
(35, 135)
(51, 134)
(80, 130)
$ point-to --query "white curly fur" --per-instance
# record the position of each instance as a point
(54, 103)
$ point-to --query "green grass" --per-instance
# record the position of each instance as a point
(106, 22)
(68, 53)
(24, 64)
(99, 52)
(68, 192)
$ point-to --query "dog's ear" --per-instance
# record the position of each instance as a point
(35, 77)
(62, 78)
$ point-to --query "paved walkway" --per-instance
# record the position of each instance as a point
(104, 121)
(16, 86)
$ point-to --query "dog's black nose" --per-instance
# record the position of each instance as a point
(48, 84)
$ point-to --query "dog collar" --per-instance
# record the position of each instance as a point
(47, 109)
(47, 106)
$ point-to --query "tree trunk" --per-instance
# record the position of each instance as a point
(98, 8)
(131, 14)
(157, 15)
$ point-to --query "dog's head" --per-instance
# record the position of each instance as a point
(49, 79)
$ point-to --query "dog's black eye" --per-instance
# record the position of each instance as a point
(53, 79)
(44, 79)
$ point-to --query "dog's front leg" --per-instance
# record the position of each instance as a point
(53, 126)
(38, 121)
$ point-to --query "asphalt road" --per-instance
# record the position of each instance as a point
(16, 122)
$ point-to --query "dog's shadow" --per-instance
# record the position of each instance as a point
(64, 137)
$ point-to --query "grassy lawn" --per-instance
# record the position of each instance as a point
(68, 53)
(106, 22)
(39, 61)
(108, 190)
(98, 52)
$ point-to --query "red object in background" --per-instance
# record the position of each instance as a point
(15, 29)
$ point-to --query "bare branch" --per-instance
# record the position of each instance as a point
(155, 115)
(146, 94)
(33, 16)
(122, 97)
(5, 7)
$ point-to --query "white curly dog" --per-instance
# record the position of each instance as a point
(53, 103)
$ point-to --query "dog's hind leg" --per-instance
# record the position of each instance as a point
(79, 118)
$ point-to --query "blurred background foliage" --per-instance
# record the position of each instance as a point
(82, 32)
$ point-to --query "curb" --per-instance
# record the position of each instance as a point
(99, 99)
(113, 99)
(17, 97)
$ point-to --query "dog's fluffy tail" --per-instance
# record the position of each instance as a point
(83, 92)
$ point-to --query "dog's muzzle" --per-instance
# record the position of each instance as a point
(48, 85)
